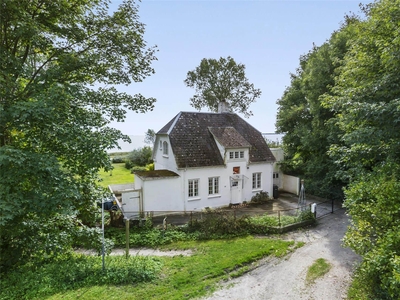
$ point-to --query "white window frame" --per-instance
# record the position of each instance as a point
(256, 182)
(236, 154)
(213, 186)
(165, 148)
(193, 188)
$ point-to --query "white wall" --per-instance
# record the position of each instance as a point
(161, 161)
(291, 184)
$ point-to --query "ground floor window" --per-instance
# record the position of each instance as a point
(256, 181)
(193, 187)
(213, 185)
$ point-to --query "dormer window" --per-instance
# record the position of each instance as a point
(165, 148)
(236, 154)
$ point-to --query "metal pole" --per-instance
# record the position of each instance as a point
(127, 237)
(102, 229)
(332, 206)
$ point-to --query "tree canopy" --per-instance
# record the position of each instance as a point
(341, 116)
(221, 80)
(59, 62)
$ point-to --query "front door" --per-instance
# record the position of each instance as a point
(236, 189)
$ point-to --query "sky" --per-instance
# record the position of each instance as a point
(268, 37)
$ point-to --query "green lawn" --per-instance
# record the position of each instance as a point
(194, 276)
(117, 176)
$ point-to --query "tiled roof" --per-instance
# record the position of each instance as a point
(192, 140)
(229, 137)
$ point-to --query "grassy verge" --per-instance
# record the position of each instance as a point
(118, 175)
(318, 269)
(188, 277)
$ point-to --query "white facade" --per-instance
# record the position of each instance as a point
(197, 188)
(221, 160)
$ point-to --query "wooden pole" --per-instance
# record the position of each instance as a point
(127, 237)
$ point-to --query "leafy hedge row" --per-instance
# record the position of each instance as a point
(73, 272)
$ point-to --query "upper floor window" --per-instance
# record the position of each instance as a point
(165, 148)
(256, 181)
(236, 154)
(193, 187)
(213, 185)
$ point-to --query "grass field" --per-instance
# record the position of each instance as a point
(188, 277)
(118, 175)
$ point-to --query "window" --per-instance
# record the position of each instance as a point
(165, 148)
(160, 145)
(275, 175)
(193, 188)
(236, 154)
(213, 185)
(256, 181)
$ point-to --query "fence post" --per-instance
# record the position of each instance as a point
(332, 207)
(127, 237)
(279, 218)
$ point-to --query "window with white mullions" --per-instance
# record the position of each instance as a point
(213, 185)
(256, 181)
(193, 187)
(236, 154)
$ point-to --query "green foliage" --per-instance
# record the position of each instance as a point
(307, 122)
(150, 137)
(74, 272)
(191, 277)
(260, 197)
(137, 169)
(139, 157)
(221, 80)
(374, 205)
(318, 269)
(54, 132)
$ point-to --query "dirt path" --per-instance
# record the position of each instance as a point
(284, 279)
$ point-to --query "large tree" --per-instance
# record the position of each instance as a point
(366, 103)
(222, 80)
(307, 123)
(59, 61)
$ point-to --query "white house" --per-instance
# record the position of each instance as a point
(205, 160)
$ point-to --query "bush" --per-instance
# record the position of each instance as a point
(117, 159)
(75, 271)
(139, 157)
(138, 169)
(260, 197)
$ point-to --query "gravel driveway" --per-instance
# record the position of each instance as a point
(284, 278)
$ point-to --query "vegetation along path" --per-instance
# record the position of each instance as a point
(285, 278)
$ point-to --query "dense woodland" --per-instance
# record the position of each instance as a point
(341, 119)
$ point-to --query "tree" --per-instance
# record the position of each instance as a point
(366, 102)
(59, 61)
(140, 157)
(221, 80)
(150, 136)
(307, 123)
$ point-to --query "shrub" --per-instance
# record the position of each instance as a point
(75, 271)
(260, 197)
(138, 169)
(117, 159)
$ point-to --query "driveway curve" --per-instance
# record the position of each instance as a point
(284, 278)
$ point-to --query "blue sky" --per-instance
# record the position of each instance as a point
(268, 37)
